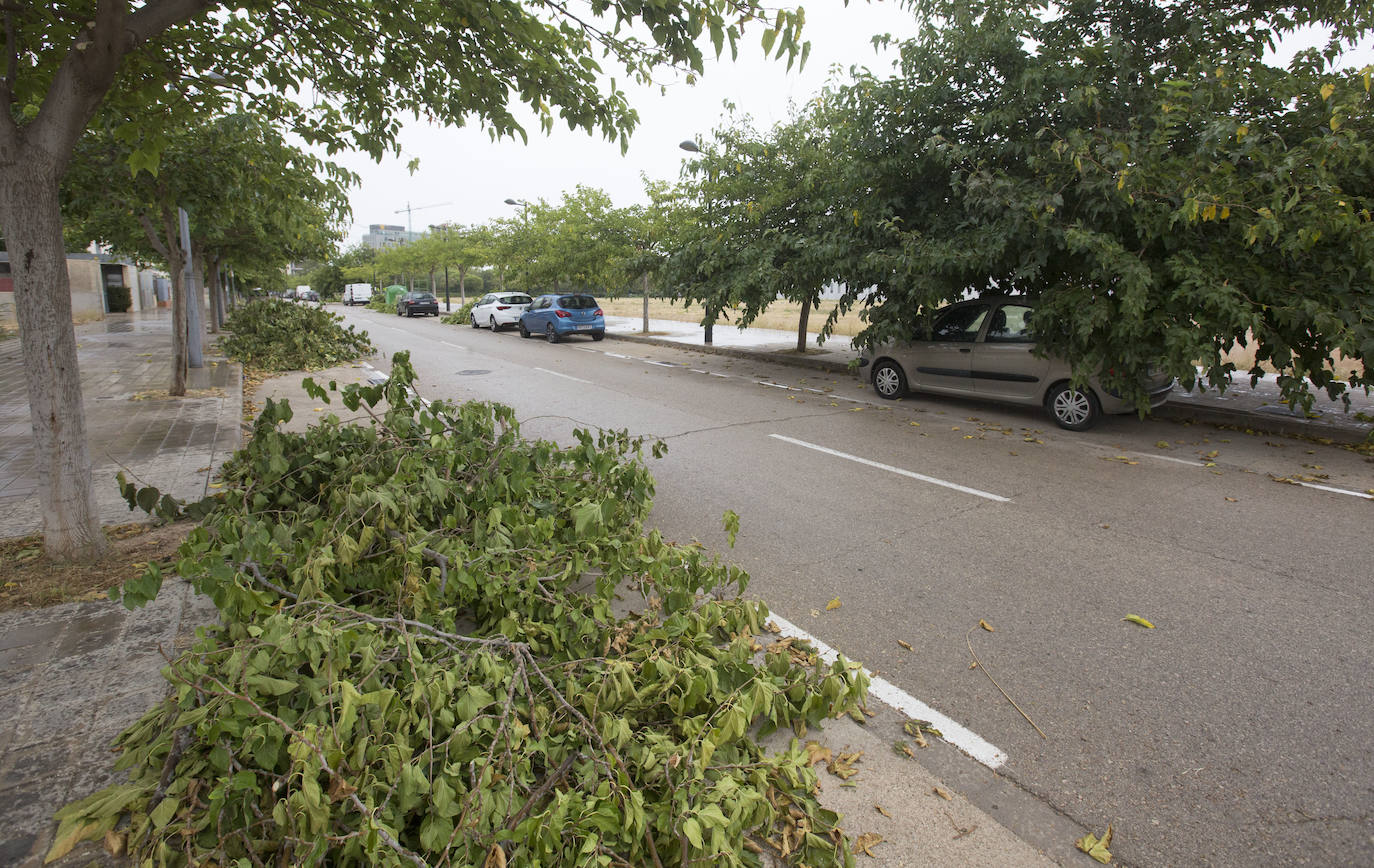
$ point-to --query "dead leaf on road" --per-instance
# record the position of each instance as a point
(942, 793)
(1097, 847)
(879, 809)
(986, 626)
(1136, 619)
(906, 645)
(833, 604)
(817, 753)
(865, 842)
(842, 765)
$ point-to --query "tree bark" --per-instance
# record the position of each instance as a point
(216, 299)
(32, 219)
(801, 327)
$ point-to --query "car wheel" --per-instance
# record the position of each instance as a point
(524, 332)
(494, 327)
(473, 319)
(597, 336)
(889, 381)
(550, 335)
(1074, 409)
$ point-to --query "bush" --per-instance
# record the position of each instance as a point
(419, 662)
(275, 335)
(378, 301)
(459, 316)
(118, 298)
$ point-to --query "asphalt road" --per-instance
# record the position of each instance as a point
(1238, 732)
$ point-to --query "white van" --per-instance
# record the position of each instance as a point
(357, 293)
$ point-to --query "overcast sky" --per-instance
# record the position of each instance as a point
(465, 178)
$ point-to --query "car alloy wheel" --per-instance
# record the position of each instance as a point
(474, 321)
(524, 332)
(889, 381)
(550, 335)
(1074, 409)
(494, 326)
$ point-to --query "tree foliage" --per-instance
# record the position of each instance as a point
(420, 661)
(1139, 167)
(274, 335)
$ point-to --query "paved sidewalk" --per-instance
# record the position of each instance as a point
(170, 443)
(1259, 408)
(74, 676)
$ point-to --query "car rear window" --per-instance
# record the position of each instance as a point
(577, 302)
(515, 299)
(423, 296)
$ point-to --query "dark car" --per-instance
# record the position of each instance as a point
(417, 304)
(558, 315)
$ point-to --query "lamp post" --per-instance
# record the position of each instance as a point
(524, 218)
(691, 147)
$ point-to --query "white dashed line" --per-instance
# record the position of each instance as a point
(953, 732)
(1335, 490)
(889, 468)
(566, 377)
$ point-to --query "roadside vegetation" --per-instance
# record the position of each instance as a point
(274, 335)
(422, 659)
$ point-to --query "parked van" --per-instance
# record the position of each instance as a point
(357, 293)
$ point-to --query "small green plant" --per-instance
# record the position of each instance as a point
(378, 301)
(460, 316)
(274, 335)
(420, 661)
(119, 298)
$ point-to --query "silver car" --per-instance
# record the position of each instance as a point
(496, 310)
(983, 348)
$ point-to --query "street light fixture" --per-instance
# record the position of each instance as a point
(691, 147)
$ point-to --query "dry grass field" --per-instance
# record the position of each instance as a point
(783, 316)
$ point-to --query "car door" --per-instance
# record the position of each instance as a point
(481, 310)
(1004, 363)
(944, 361)
(537, 315)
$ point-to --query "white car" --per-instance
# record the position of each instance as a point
(496, 310)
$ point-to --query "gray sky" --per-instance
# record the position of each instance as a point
(465, 178)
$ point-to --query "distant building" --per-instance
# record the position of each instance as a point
(381, 235)
(92, 277)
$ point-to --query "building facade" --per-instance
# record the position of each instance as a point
(92, 276)
(381, 235)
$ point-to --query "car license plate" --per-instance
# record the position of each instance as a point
(584, 328)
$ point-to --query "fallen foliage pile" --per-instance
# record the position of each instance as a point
(275, 335)
(422, 661)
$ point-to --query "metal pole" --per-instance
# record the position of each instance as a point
(646, 302)
(194, 328)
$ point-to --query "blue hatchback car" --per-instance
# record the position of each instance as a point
(557, 315)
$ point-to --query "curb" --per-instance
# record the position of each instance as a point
(827, 365)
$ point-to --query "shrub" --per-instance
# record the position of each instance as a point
(459, 316)
(378, 301)
(419, 662)
(118, 298)
(275, 335)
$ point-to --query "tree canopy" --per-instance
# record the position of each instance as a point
(1142, 168)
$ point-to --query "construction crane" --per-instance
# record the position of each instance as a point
(407, 209)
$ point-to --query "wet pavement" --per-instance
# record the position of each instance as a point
(76, 675)
(132, 425)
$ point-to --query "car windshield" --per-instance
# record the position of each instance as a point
(577, 302)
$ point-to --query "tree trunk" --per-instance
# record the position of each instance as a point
(216, 299)
(463, 284)
(801, 327)
(32, 219)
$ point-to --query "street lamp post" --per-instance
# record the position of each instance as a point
(691, 147)
(524, 218)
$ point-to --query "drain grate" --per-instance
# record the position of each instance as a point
(473, 372)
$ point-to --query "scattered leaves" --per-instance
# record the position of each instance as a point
(864, 844)
(986, 626)
(833, 605)
(1136, 619)
(905, 644)
(942, 793)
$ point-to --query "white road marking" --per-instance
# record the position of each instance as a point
(455, 346)
(660, 364)
(1184, 461)
(888, 467)
(953, 732)
(1335, 490)
(775, 385)
(565, 376)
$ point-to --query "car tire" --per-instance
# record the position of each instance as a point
(494, 327)
(472, 318)
(889, 381)
(597, 336)
(524, 332)
(1071, 408)
(549, 334)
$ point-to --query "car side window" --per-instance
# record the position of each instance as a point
(961, 324)
(1011, 324)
